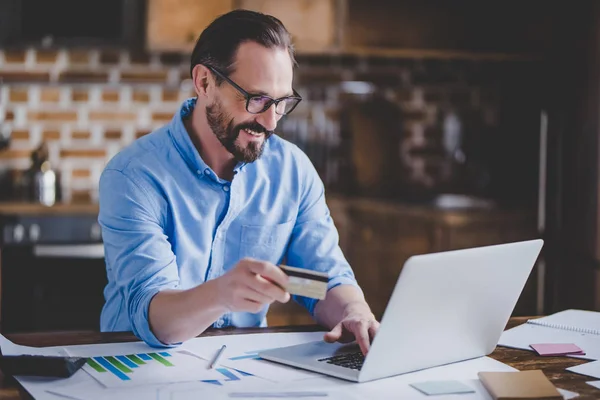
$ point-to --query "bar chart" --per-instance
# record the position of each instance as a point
(151, 368)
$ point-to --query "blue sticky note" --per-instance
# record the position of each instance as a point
(442, 387)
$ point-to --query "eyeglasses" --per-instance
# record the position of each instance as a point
(259, 103)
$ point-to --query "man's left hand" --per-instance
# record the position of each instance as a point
(358, 324)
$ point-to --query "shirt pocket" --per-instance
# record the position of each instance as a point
(265, 242)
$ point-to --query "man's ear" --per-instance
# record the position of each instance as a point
(202, 79)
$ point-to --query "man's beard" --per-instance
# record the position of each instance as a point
(227, 133)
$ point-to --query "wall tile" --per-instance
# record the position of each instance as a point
(52, 116)
(50, 95)
(110, 96)
(14, 153)
(46, 56)
(140, 96)
(18, 95)
(83, 153)
(143, 76)
(81, 173)
(24, 76)
(83, 77)
(51, 135)
(20, 135)
(79, 57)
(81, 135)
(14, 56)
(112, 116)
(80, 95)
(113, 134)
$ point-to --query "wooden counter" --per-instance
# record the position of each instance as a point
(22, 208)
(553, 367)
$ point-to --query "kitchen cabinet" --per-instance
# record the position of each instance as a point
(424, 29)
(312, 23)
(174, 25)
(377, 237)
(449, 28)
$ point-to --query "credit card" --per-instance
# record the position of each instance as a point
(307, 283)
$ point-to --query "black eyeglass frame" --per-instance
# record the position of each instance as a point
(249, 96)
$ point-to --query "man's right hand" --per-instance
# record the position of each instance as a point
(251, 285)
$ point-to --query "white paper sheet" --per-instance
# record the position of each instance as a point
(169, 367)
(38, 387)
(567, 394)
(81, 384)
(12, 349)
(523, 335)
(595, 384)
(389, 388)
(241, 346)
(590, 369)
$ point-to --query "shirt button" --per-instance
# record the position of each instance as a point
(207, 171)
(226, 188)
(198, 172)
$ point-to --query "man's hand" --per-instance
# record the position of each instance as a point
(358, 324)
(252, 284)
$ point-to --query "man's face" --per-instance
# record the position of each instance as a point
(258, 70)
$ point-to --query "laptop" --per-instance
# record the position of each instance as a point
(446, 307)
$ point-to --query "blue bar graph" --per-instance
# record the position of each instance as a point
(145, 357)
(213, 382)
(164, 354)
(243, 373)
(228, 374)
(111, 368)
(245, 357)
(126, 361)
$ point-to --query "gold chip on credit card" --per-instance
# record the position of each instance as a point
(307, 283)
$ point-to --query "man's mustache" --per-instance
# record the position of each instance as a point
(256, 128)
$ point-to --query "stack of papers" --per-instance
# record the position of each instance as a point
(135, 370)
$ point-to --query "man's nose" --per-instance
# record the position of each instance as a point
(268, 119)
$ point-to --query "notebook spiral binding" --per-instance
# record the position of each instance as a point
(565, 327)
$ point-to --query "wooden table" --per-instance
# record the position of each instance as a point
(553, 367)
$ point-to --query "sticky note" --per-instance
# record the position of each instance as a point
(556, 349)
(442, 387)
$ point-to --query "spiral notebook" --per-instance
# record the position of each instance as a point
(580, 327)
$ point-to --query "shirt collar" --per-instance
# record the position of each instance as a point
(184, 143)
(182, 139)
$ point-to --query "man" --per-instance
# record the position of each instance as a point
(196, 215)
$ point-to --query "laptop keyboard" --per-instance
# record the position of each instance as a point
(348, 360)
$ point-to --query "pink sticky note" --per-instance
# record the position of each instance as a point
(556, 349)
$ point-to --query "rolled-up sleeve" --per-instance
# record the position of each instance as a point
(139, 257)
(315, 241)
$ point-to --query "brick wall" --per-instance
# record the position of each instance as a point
(88, 104)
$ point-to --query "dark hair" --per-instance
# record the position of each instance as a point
(218, 43)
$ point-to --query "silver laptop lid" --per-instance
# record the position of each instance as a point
(449, 307)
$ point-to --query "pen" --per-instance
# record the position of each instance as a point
(217, 357)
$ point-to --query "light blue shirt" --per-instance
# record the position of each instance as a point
(169, 222)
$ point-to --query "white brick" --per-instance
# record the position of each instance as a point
(114, 75)
(94, 59)
(65, 97)
(95, 95)
(20, 116)
(125, 95)
(30, 57)
(82, 115)
(34, 93)
(97, 134)
(155, 94)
